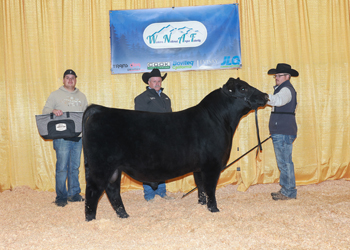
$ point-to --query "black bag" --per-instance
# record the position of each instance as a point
(59, 127)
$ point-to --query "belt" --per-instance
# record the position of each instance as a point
(285, 113)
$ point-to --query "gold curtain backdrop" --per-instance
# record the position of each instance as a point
(40, 39)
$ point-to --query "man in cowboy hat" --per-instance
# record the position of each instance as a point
(283, 128)
(153, 99)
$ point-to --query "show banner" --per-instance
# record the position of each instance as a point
(175, 39)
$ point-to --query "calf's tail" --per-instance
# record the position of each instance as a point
(92, 109)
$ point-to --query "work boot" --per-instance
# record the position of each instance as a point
(275, 193)
(61, 203)
(280, 196)
(75, 198)
(168, 197)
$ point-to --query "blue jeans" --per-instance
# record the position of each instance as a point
(149, 193)
(283, 145)
(68, 155)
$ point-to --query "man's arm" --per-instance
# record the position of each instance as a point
(49, 105)
(140, 103)
(281, 98)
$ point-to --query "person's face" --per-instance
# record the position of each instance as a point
(69, 82)
(281, 78)
(155, 82)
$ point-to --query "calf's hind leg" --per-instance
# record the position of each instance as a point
(113, 194)
(92, 195)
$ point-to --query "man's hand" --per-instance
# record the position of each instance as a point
(57, 112)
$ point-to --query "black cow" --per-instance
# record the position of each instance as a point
(155, 147)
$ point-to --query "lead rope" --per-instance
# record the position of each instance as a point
(257, 132)
(257, 151)
(232, 163)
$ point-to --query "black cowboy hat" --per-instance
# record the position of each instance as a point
(155, 72)
(283, 68)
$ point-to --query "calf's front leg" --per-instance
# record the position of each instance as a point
(210, 181)
(202, 199)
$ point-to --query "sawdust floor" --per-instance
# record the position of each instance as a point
(318, 219)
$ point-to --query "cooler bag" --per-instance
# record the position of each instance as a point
(59, 127)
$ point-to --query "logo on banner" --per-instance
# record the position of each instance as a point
(134, 67)
(175, 35)
(120, 65)
(182, 65)
(208, 63)
(158, 65)
(229, 63)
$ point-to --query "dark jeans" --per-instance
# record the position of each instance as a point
(68, 155)
(283, 145)
(149, 193)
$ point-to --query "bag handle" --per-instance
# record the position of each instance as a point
(51, 115)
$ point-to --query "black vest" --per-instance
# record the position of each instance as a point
(282, 119)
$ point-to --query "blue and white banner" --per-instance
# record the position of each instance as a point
(175, 39)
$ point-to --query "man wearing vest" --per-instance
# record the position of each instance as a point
(283, 128)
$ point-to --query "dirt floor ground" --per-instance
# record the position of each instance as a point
(318, 219)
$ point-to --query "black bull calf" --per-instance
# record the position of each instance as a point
(154, 147)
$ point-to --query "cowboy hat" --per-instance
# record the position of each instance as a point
(283, 68)
(155, 72)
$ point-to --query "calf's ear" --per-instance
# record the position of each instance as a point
(228, 88)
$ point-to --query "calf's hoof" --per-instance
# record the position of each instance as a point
(213, 209)
(123, 215)
(202, 200)
(90, 217)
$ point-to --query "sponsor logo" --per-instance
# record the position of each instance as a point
(206, 63)
(158, 65)
(175, 35)
(135, 65)
(182, 64)
(118, 66)
(134, 69)
(61, 127)
(229, 63)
